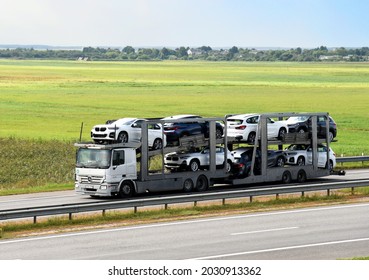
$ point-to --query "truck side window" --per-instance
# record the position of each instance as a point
(118, 158)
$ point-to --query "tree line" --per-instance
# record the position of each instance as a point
(130, 53)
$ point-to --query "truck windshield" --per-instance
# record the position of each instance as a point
(89, 158)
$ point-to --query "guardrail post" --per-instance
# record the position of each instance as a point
(352, 190)
(250, 198)
(70, 217)
(103, 212)
(223, 201)
(166, 206)
(34, 219)
(194, 203)
(328, 192)
(302, 194)
(277, 196)
(135, 209)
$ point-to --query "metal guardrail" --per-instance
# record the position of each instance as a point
(194, 198)
(352, 159)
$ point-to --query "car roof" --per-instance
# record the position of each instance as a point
(240, 151)
(176, 117)
(124, 120)
(242, 116)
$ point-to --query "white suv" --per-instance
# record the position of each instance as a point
(243, 127)
(194, 161)
(128, 130)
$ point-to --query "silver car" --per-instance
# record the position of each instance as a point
(303, 154)
(197, 160)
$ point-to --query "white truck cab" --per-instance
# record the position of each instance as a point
(102, 169)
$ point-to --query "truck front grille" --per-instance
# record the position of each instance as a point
(91, 179)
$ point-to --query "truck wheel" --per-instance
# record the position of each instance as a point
(122, 137)
(202, 183)
(188, 185)
(301, 176)
(194, 165)
(126, 189)
(286, 177)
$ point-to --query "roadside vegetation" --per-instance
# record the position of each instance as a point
(44, 103)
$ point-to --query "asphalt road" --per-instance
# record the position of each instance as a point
(310, 234)
(68, 197)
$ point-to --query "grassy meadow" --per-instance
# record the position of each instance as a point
(45, 101)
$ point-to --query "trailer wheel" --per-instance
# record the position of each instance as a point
(202, 183)
(188, 185)
(286, 177)
(301, 176)
(126, 189)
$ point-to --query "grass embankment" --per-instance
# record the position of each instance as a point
(35, 165)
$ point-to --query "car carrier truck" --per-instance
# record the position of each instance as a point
(125, 169)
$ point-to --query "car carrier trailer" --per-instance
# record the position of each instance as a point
(125, 169)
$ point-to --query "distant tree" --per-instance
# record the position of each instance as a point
(205, 48)
(182, 52)
(128, 50)
(233, 50)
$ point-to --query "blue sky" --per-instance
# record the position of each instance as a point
(173, 23)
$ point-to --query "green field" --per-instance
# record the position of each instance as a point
(48, 100)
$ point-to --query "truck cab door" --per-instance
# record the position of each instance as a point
(118, 170)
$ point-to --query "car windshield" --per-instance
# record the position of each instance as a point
(235, 121)
(297, 119)
(89, 158)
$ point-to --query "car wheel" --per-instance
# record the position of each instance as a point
(280, 162)
(330, 136)
(158, 144)
(228, 166)
(251, 138)
(301, 130)
(202, 183)
(122, 137)
(330, 166)
(282, 134)
(300, 161)
(188, 185)
(218, 133)
(194, 165)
